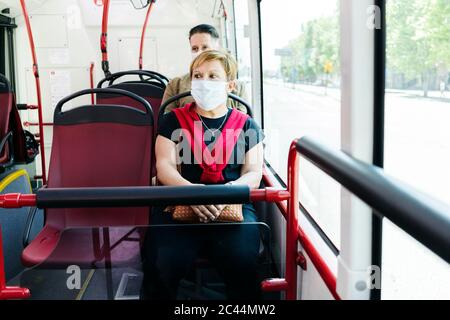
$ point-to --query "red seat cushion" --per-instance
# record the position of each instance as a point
(82, 247)
(93, 146)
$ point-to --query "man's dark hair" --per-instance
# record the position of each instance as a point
(204, 28)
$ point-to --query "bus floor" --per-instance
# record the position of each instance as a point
(124, 283)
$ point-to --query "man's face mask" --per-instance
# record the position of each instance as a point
(209, 94)
(195, 55)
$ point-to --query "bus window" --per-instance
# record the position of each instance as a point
(417, 144)
(300, 43)
(243, 53)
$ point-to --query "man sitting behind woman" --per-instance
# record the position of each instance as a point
(202, 38)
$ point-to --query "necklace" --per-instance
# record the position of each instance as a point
(213, 132)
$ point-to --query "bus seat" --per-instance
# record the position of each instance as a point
(101, 146)
(17, 146)
(151, 87)
(163, 107)
(6, 103)
(150, 92)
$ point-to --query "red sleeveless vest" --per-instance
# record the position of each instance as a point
(212, 162)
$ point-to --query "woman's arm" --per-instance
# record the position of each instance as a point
(251, 172)
(166, 163)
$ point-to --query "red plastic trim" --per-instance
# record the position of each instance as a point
(269, 195)
(38, 88)
(9, 292)
(144, 29)
(17, 200)
(272, 285)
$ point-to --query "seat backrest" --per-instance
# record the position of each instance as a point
(10, 122)
(150, 86)
(149, 91)
(100, 146)
(6, 101)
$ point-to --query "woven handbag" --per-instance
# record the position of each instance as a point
(231, 213)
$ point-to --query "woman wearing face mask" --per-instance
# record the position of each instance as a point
(234, 251)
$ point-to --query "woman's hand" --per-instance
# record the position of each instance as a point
(207, 213)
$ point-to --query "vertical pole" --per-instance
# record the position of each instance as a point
(91, 76)
(9, 292)
(38, 89)
(2, 265)
(144, 29)
(292, 224)
(104, 39)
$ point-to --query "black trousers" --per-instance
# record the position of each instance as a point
(170, 250)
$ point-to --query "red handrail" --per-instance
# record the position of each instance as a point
(295, 234)
(9, 292)
(38, 88)
(104, 39)
(91, 78)
(319, 263)
(144, 28)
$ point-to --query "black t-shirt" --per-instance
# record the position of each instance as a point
(250, 136)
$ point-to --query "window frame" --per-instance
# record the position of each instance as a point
(7, 26)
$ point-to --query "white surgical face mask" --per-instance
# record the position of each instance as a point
(195, 55)
(209, 94)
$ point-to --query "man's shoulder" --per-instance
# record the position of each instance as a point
(180, 82)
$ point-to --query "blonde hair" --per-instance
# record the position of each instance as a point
(227, 60)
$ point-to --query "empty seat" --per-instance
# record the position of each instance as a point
(94, 146)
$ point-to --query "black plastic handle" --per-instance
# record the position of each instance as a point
(234, 97)
(120, 92)
(157, 74)
(422, 217)
(141, 73)
(8, 139)
(5, 84)
(141, 196)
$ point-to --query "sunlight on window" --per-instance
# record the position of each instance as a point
(417, 144)
(302, 94)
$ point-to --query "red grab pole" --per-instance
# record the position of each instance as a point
(38, 88)
(144, 29)
(91, 78)
(292, 225)
(319, 263)
(104, 39)
(9, 292)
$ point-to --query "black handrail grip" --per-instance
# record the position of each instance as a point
(120, 92)
(5, 83)
(7, 139)
(421, 216)
(171, 100)
(141, 196)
